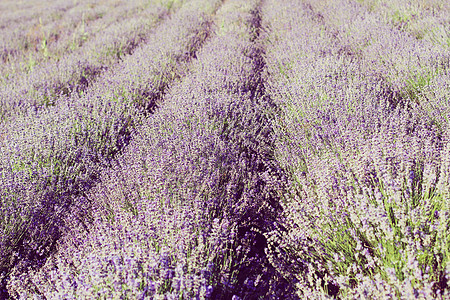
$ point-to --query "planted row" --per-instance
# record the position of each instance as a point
(62, 150)
(48, 83)
(44, 43)
(408, 71)
(427, 20)
(398, 56)
(13, 12)
(24, 31)
(367, 215)
(179, 215)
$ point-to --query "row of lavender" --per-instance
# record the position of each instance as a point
(364, 136)
(16, 13)
(410, 67)
(183, 211)
(30, 92)
(426, 20)
(44, 31)
(48, 159)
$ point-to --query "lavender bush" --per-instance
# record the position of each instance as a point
(32, 37)
(368, 208)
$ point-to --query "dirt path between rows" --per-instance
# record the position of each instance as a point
(250, 136)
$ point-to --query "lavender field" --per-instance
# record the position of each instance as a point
(225, 149)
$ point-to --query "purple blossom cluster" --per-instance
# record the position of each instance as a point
(367, 215)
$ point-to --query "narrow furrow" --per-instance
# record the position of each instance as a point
(254, 183)
(57, 167)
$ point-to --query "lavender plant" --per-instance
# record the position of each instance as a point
(20, 11)
(30, 34)
(75, 138)
(189, 185)
(364, 215)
